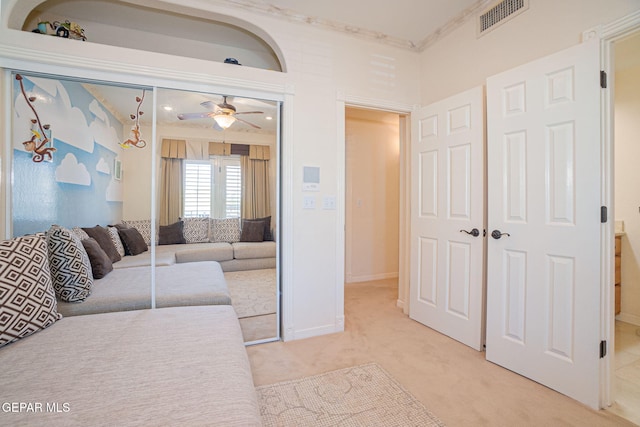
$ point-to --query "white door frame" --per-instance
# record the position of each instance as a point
(404, 110)
(608, 34)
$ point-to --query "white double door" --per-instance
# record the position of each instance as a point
(542, 206)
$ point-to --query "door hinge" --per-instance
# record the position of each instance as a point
(603, 214)
(603, 79)
(603, 349)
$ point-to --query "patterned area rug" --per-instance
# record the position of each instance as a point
(364, 395)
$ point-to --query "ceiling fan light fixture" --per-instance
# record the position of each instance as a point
(223, 120)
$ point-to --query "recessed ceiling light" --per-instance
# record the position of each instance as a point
(268, 118)
(167, 107)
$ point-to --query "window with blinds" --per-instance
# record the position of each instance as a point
(213, 188)
(197, 189)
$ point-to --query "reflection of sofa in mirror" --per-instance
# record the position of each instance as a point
(190, 260)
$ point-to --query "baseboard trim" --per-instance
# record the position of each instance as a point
(400, 304)
(371, 277)
(629, 318)
(317, 331)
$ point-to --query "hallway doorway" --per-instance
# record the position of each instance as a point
(372, 213)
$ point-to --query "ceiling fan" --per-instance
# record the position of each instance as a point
(223, 114)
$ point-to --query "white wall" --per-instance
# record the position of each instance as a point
(627, 195)
(372, 195)
(322, 66)
(460, 61)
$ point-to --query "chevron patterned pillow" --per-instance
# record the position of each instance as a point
(225, 229)
(196, 230)
(27, 300)
(69, 265)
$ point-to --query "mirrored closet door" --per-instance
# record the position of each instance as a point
(182, 211)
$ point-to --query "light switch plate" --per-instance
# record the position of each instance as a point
(329, 202)
(309, 202)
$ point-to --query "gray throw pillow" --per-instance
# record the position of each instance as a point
(101, 264)
(252, 231)
(171, 234)
(102, 236)
(132, 241)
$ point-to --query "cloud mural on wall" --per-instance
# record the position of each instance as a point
(103, 166)
(68, 123)
(72, 172)
(114, 191)
(53, 104)
(101, 129)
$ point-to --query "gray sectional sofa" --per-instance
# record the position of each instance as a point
(234, 256)
(176, 365)
(198, 283)
(169, 366)
(185, 274)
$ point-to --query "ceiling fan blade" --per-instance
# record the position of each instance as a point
(187, 116)
(248, 123)
(209, 105)
(250, 112)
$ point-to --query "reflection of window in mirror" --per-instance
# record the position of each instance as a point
(218, 178)
(213, 188)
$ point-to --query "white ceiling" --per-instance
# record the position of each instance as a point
(411, 23)
(407, 23)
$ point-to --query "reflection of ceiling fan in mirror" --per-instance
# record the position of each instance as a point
(224, 114)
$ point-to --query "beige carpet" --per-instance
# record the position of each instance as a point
(253, 296)
(454, 381)
(364, 395)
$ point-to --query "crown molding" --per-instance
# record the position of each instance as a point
(363, 33)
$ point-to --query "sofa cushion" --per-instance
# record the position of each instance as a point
(102, 236)
(101, 264)
(197, 252)
(171, 366)
(252, 231)
(27, 299)
(225, 229)
(132, 241)
(115, 238)
(69, 265)
(164, 255)
(124, 289)
(196, 230)
(171, 234)
(247, 250)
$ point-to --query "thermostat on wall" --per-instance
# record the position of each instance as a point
(311, 178)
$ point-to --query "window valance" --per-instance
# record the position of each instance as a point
(174, 149)
(254, 152)
(181, 149)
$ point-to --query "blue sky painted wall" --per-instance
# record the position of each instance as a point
(78, 187)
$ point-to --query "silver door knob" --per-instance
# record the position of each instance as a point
(475, 232)
(496, 234)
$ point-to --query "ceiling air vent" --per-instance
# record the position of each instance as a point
(500, 13)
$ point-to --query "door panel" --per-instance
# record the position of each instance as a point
(447, 265)
(543, 277)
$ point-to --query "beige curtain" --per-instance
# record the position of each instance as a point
(255, 195)
(171, 180)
